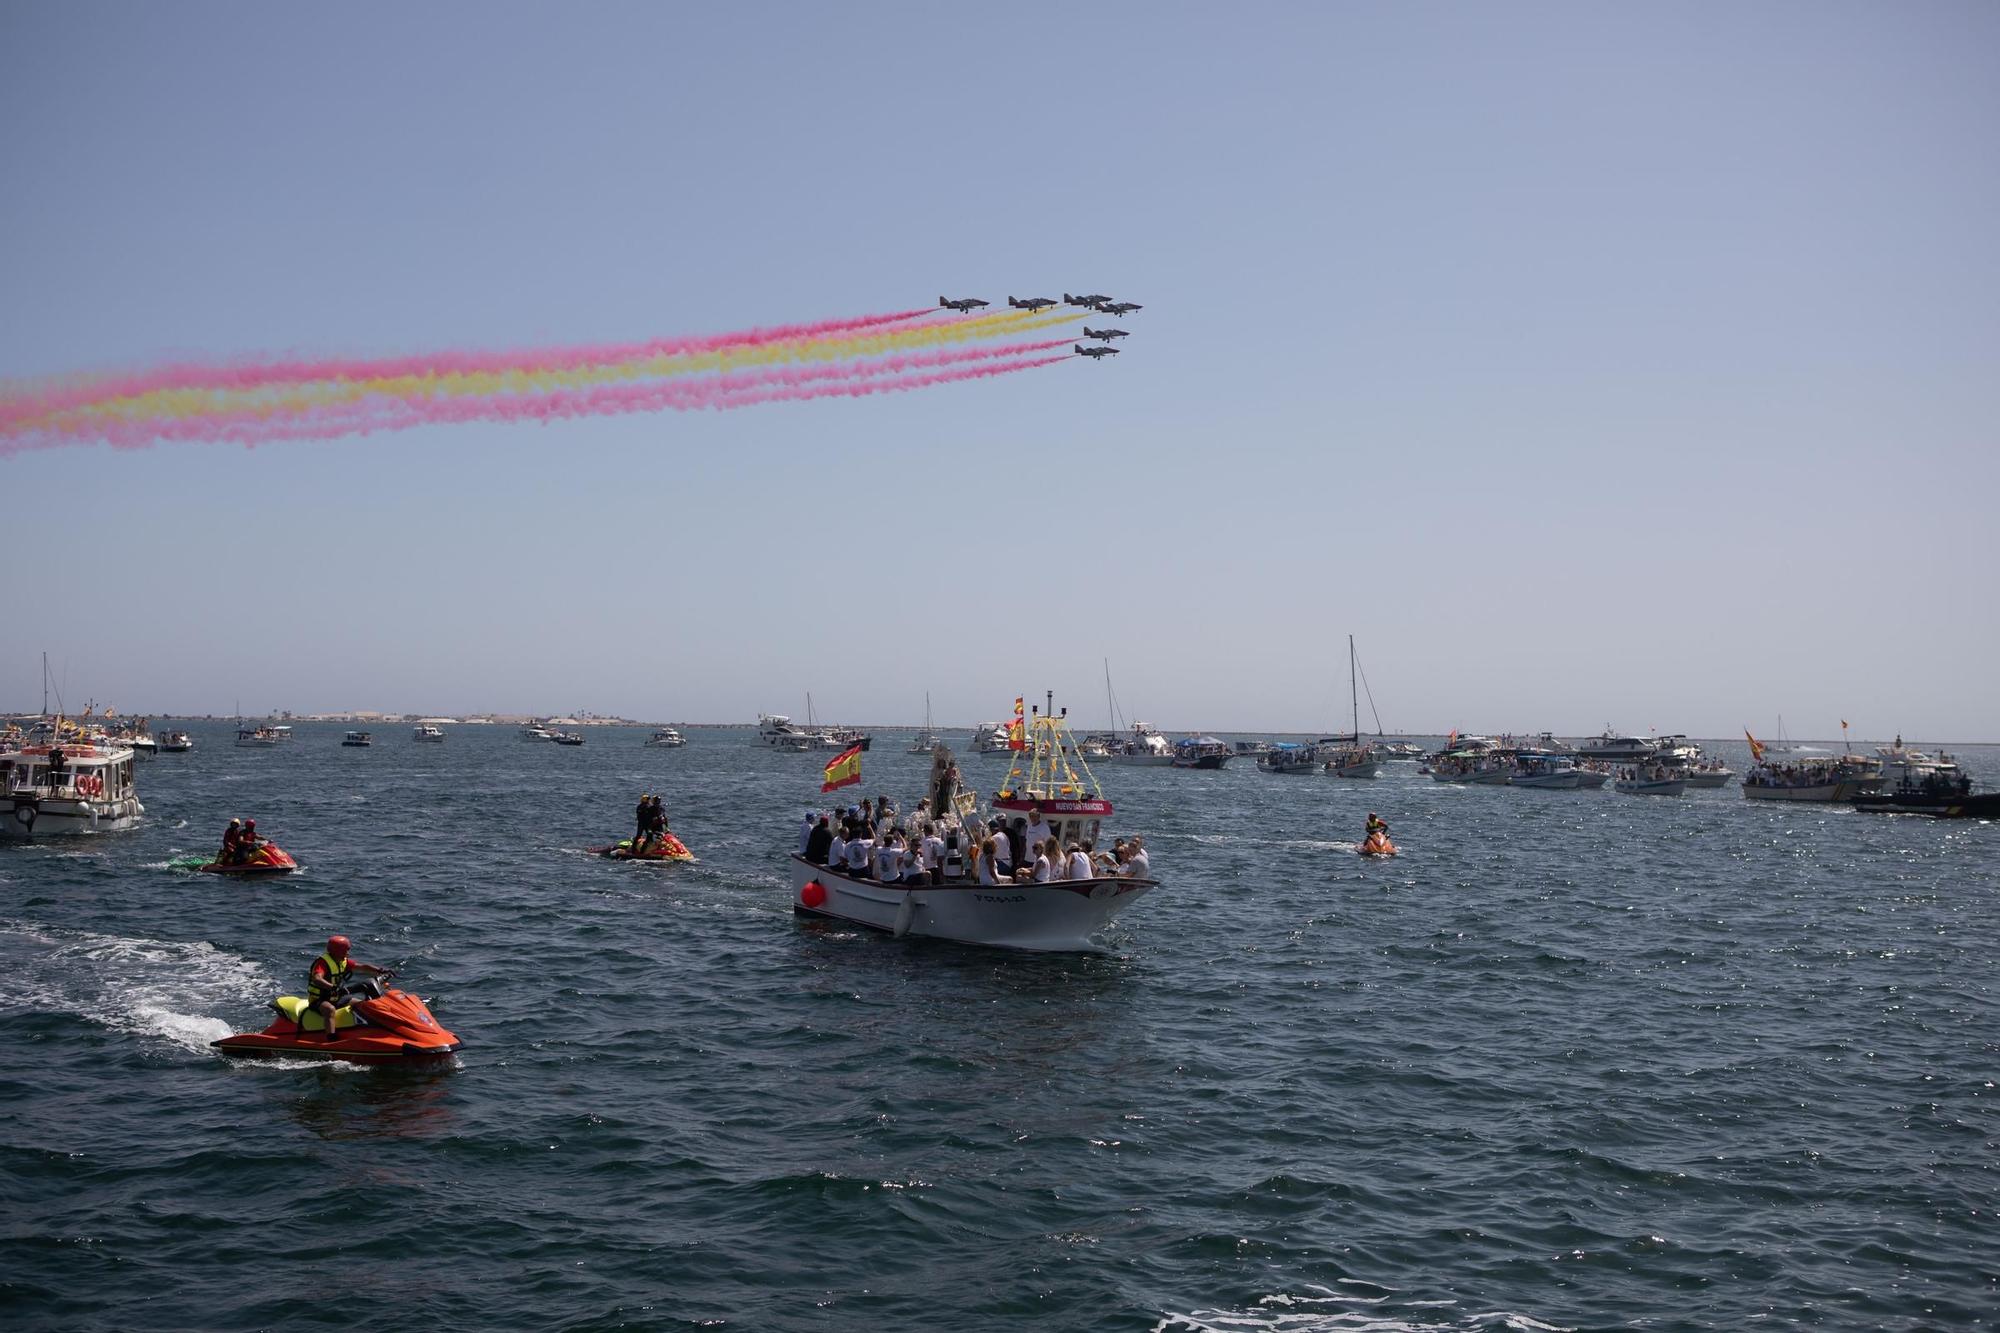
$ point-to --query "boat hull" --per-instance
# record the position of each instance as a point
(1985, 805)
(1293, 766)
(1059, 917)
(1550, 781)
(1209, 761)
(1708, 781)
(1671, 787)
(1367, 770)
(1474, 779)
(23, 816)
(1823, 793)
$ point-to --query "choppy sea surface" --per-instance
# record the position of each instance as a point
(1575, 1060)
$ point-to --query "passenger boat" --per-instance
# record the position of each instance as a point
(67, 788)
(357, 740)
(1288, 757)
(666, 738)
(1053, 916)
(1474, 761)
(1942, 792)
(1812, 777)
(428, 734)
(175, 742)
(1592, 773)
(1617, 748)
(257, 738)
(1252, 749)
(1543, 771)
(1200, 752)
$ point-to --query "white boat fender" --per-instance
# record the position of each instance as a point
(905, 914)
(26, 810)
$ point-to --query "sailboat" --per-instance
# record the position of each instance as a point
(1349, 758)
(927, 739)
(1141, 745)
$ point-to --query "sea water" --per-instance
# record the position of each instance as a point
(1574, 1060)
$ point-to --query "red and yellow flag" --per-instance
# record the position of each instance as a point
(843, 770)
(1756, 750)
(1017, 730)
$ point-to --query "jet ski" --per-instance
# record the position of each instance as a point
(665, 847)
(268, 859)
(1377, 844)
(373, 1025)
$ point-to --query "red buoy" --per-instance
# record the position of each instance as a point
(813, 894)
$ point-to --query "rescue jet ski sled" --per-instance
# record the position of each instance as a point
(268, 859)
(373, 1025)
(665, 847)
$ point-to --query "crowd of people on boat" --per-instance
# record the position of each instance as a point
(871, 841)
(1647, 773)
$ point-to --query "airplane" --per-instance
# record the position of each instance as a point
(1120, 307)
(1032, 303)
(962, 305)
(1094, 352)
(1104, 335)
(1087, 302)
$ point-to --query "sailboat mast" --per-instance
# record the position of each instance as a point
(1353, 700)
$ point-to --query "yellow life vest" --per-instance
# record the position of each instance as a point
(336, 972)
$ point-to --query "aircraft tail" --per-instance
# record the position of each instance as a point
(1079, 348)
(943, 304)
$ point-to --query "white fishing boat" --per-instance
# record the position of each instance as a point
(427, 734)
(68, 787)
(1472, 761)
(1050, 781)
(666, 738)
(1654, 778)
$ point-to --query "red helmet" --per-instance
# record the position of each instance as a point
(249, 823)
(337, 945)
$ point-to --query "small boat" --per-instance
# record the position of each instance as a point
(357, 740)
(666, 738)
(1709, 775)
(535, 731)
(1201, 752)
(72, 787)
(569, 738)
(1592, 773)
(268, 859)
(1049, 916)
(665, 847)
(1288, 757)
(258, 738)
(374, 1024)
(1377, 844)
(1543, 771)
(1650, 780)
(175, 742)
(1142, 747)
(428, 734)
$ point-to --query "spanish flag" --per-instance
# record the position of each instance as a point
(1017, 730)
(1756, 750)
(843, 770)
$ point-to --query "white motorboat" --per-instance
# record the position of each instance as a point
(1907, 767)
(1804, 776)
(1640, 786)
(536, 731)
(72, 787)
(1592, 773)
(1544, 772)
(1144, 747)
(776, 732)
(1618, 748)
(1051, 916)
(666, 738)
(990, 738)
(1709, 775)
(428, 734)
(175, 742)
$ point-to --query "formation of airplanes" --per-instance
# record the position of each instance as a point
(1095, 301)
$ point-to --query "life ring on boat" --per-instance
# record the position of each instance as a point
(813, 894)
(90, 785)
(26, 814)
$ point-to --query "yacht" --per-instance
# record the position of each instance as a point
(535, 731)
(1144, 747)
(428, 734)
(991, 738)
(666, 738)
(776, 732)
(1619, 749)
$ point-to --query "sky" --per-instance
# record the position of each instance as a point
(1628, 365)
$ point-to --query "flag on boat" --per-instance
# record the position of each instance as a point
(843, 770)
(1756, 750)
(1452, 739)
(1017, 730)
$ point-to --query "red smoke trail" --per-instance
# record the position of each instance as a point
(250, 426)
(255, 375)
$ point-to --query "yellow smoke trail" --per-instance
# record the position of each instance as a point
(265, 402)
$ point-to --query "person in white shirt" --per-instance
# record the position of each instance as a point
(836, 854)
(1079, 863)
(1138, 865)
(806, 831)
(989, 867)
(860, 851)
(888, 861)
(1058, 863)
(1040, 872)
(933, 854)
(1003, 851)
(1038, 829)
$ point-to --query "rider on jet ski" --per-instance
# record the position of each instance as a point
(328, 973)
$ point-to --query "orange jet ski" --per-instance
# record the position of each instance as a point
(1377, 844)
(665, 847)
(373, 1025)
(268, 859)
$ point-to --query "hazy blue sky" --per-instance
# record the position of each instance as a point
(1590, 363)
